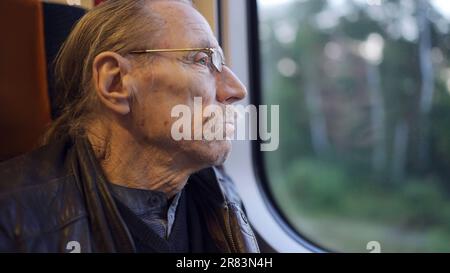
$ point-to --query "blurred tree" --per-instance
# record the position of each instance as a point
(364, 91)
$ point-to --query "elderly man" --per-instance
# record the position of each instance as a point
(111, 177)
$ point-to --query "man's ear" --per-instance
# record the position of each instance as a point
(109, 72)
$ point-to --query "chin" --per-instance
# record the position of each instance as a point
(216, 153)
(202, 154)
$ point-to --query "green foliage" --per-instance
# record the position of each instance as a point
(325, 190)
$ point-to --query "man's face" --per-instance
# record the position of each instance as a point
(169, 81)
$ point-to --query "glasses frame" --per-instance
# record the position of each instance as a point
(216, 55)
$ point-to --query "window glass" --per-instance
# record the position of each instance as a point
(364, 94)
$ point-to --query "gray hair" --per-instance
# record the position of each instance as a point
(115, 25)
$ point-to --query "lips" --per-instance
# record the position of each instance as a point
(228, 129)
(224, 120)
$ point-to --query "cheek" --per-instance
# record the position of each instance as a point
(156, 95)
(151, 113)
(158, 92)
(181, 83)
(203, 86)
(155, 116)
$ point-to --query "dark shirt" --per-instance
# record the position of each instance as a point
(152, 207)
(154, 225)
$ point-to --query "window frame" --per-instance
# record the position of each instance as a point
(255, 85)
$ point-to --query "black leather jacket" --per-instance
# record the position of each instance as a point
(56, 199)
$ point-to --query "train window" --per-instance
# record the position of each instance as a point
(364, 94)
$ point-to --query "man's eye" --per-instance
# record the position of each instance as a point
(202, 59)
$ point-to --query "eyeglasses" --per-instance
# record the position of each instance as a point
(215, 55)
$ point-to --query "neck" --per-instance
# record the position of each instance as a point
(130, 163)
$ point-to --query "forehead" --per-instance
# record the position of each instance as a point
(183, 26)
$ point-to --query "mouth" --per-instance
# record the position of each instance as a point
(228, 129)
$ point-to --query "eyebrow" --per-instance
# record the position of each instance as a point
(204, 43)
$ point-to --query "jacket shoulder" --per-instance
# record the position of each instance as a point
(40, 166)
(38, 195)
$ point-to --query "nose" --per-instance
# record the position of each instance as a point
(229, 88)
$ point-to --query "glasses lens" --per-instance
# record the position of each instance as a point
(217, 59)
